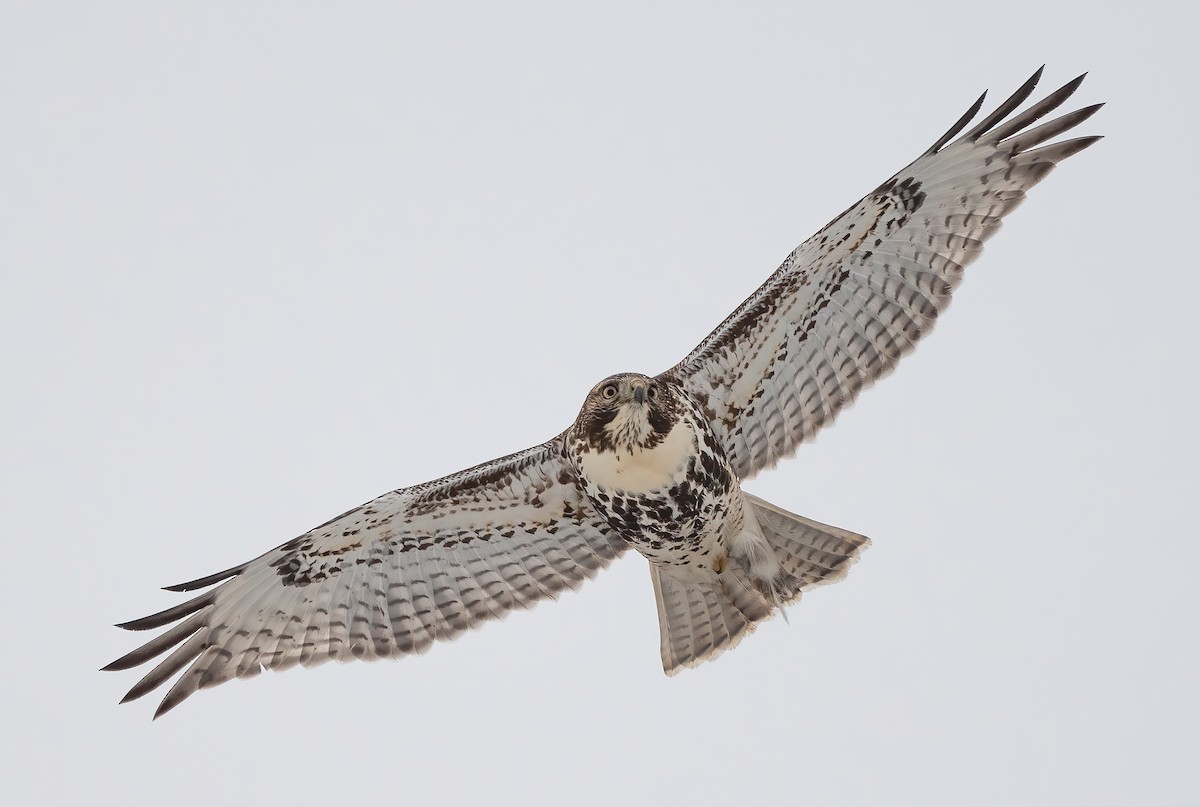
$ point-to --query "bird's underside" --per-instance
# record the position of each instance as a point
(655, 463)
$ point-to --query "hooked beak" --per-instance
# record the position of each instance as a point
(639, 394)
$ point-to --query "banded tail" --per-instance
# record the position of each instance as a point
(699, 620)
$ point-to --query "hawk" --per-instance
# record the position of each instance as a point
(651, 462)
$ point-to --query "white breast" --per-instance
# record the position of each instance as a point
(642, 471)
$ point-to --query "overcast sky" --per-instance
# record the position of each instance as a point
(260, 264)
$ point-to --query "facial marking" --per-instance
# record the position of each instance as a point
(630, 425)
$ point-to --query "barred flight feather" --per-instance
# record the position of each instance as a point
(850, 301)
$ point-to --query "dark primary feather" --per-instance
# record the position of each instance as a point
(1011, 103)
(205, 582)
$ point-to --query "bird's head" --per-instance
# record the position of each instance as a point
(626, 411)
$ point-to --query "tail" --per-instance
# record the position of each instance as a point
(700, 619)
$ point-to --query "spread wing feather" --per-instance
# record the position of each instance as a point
(850, 301)
(389, 578)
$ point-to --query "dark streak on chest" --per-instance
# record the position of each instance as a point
(682, 523)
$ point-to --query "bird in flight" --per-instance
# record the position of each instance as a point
(651, 462)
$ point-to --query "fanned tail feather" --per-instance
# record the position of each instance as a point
(700, 619)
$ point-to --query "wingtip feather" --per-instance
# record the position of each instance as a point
(167, 705)
(169, 615)
(208, 580)
(959, 125)
(1053, 154)
(1006, 108)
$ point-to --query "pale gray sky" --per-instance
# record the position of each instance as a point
(262, 262)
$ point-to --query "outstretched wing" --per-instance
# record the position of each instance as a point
(850, 301)
(389, 578)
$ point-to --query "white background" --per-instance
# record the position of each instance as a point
(262, 262)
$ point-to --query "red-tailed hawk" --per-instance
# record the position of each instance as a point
(651, 462)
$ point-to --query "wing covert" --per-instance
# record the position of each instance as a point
(850, 301)
(388, 578)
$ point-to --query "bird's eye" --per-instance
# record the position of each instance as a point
(652, 393)
(609, 392)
